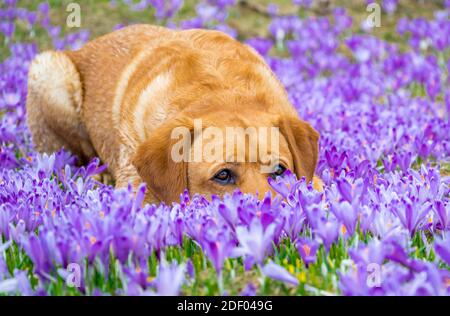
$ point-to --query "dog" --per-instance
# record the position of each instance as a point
(121, 96)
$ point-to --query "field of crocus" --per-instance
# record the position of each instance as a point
(381, 226)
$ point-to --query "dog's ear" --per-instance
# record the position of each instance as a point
(303, 143)
(164, 173)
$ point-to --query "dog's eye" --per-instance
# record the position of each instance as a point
(279, 171)
(224, 176)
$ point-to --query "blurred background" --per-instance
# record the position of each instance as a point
(242, 18)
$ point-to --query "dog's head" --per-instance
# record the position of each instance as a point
(210, 156)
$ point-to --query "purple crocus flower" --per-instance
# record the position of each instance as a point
(190, 270)
(326, 229)
(334, 159)
(354, 282)
(395, 251)
(249, 290)
(255, 241)
(390, 6)
(374, 252)
(35, 248)
(443, 212)
(307, 248)
(261, 45)
(3, 267)
(18, 284)
(443, 250)
(347, 215)
(411, 216)
(277, 272)
(218, 245)
(170, 278)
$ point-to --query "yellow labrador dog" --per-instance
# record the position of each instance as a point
(122, 96)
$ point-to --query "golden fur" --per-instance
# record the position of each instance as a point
(120, 95)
